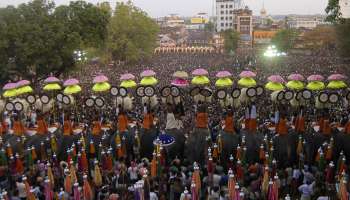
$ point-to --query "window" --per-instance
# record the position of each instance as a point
(222, 6)
(226, 12)
(231, 6)
(226, 6)
(231, 11)
(230, 24)
(222, 18)
(226, 24)
(226, 18)
(230, 18)
(222, 24)
(222, 12)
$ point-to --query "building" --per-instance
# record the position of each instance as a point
(243, 24)
(263, 37)
(344, 8)
(305, 22)
(225, 14)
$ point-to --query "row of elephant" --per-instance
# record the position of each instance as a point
(194, 147)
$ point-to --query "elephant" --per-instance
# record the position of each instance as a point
(285, 149)
(196, 146)
(230, 142)
(146, 140)
(176, 149)
(252, 143)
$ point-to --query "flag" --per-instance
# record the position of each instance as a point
(84, 161)
(231, 185)
(92, 149)
(238, 153)
(154, 165)
(265, 181)
(53, 143)
(49, 195)
(119, 146)
(239, 171)
(9, 150)
(196, 177)
(72, 173)
(50, 175)
(262, 153)
(68, 184)
(300, 146)
(343, 193)
(30, 161)
(329, 151)
(19, 165)
(97, 175)
(194, 194)
(34, 156)
(43, 151)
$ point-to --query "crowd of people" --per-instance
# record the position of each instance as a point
(116, 154)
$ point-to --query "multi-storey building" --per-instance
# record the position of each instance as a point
(225, 14)
(344, 8)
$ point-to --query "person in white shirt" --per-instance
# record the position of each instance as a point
(21, 187)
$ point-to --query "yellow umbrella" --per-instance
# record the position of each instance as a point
(128, 84)
(52, 86)
(273, 86)
(224, 82)
(315, 85)
(295, 85)
(336, 85)
(24, 90)
(72, 89)
(200, 80)
(10, 93)
(247, 82)
(149, 80)
(101, 87)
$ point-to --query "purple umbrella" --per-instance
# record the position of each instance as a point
(51, 79)
(336, 77)
(276, 79)
(179, 82)
(200, 72)
(127, 76)
(147, 73)
(223, 74)
(22, 83)
(247, 74)
(296, 77)
(70, 82)
(10, 86)
(100, 79)
(315, 77)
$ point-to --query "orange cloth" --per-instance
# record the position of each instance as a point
(300, 124)
(282, 127)
(67, 128)
(246, 123)
(18, 128)
(42, 127)
(347, 128)
(96, 130)
(147, 121)
(252, 125)
(3, 127)
(326, 128)
(202, 120)
(122, 123)
(229, 127)
(321, 123)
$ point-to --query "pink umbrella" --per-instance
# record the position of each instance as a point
(22, 83)
(100, 79)
(51, 79)
(247, 74)
(127, 76)
(70, 82)
(200, 72)
(223, 74)
(315, 77)
(147, 73)
(179, 82)
(10, 86)
(296, 77)
(276, 79)
(336, 77)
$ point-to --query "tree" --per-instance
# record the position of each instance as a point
(333, 11)
(343, 38)
(36, 38)
(320, 37)
(132, 34)
(231, 39)
(209, 26)
(285, 39)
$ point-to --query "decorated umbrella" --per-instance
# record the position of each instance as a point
(10, 90)
(164, 140)
(275, 83)
(72, 86)
(180, 79)
(52, 84)
(200, 77)
(315, 82)
(336, 81)
(128, 81)
(101, 84)
(224, 80)
(247, 79)
(148, 78)
(23, 87)
(295, 82)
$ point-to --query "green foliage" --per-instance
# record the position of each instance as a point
(36, 38)
(132, 34)
(285, 39)
(343, 38)
(231, 39)
(209, 26)
(333, 11)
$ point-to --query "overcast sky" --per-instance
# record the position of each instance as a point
(158, 8)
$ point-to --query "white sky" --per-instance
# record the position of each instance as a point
(157, 8)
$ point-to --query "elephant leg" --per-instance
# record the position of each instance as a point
(229, 145)
(147, 146)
